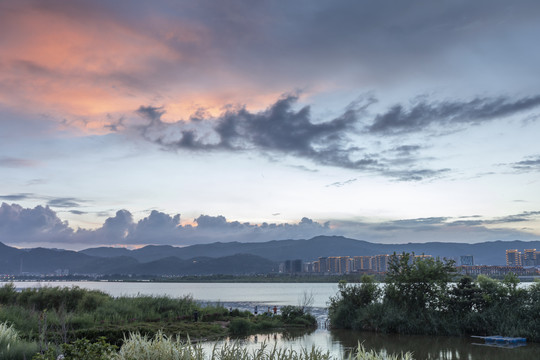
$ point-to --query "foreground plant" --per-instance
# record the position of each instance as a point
(363, 354)
(12, 346)
(139, 347)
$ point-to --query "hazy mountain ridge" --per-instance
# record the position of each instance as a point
(486, 253)
(47, 261)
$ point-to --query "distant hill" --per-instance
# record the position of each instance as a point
(46, 261)
(487, 253)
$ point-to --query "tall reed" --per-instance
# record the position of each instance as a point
(12, 346)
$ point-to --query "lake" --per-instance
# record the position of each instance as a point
(248, 295)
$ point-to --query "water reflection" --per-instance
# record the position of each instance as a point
(340, 343)
(432, 347)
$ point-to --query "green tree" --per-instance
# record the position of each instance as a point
(352, 302)
(417, 284)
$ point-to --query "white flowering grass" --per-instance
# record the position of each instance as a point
(12, 346)
(362, 354)
(139, 347)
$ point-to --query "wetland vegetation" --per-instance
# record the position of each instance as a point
(426, 296)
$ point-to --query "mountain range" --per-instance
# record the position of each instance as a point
(485, 253)
(233, 257)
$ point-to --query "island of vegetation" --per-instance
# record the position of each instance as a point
(426, 296)
(45, 318)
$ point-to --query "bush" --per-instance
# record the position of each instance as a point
(239, 326)
(81, 349)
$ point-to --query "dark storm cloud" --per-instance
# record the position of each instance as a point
(283, 130)
(423, 115)
(531, 164)
(279, 129)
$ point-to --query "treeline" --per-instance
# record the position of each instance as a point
(427, 296)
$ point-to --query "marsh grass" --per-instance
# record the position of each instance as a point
(140, 347)
(60, 315)
(12, 346)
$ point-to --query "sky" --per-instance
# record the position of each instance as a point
(127, 123)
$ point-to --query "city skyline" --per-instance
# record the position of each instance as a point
(178, 123)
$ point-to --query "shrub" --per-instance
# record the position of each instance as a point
(239, 326)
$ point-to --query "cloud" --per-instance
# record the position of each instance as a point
(280, 129)
(12, 162)
(41, 224)
(64, 202)
(283, 130)
(342, 183)
(17, 197)
(469, 229)
(531, 164)
(55, 202)
(423, 115)
(406, 150)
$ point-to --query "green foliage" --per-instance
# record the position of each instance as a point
(421, 296)
(8, 294)
(240, 326)
(418, 284)
(12, 346)
(297, 315)
(82, 349)
(51, 314)
(352, 303)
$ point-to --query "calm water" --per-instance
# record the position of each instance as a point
(338, 343)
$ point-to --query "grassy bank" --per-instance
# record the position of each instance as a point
(60, 315)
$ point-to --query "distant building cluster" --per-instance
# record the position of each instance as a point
(526, 263)
(337, 265)
(529, 257)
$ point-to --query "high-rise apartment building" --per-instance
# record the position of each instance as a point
(466, 260)
(362, 263)
(323, 265)
(529, 257)
(513, 257)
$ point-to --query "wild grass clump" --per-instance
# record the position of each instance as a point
(141, 347)
(12, 346)
(362, 354)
